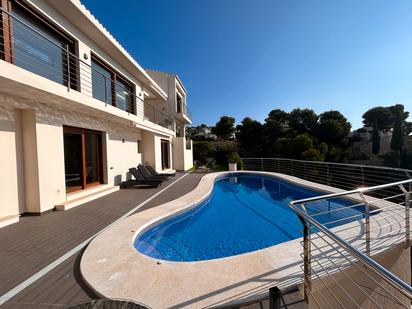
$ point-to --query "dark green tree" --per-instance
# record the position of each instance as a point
(408, 128)
(376, 139)
(303, 120)
(399, 127)
(249, 137)
(333, 128)
(280, 146)
(380, 119)
(224, 128)
(201, 150)
(298, 145)
(279, 116)
(275, 126)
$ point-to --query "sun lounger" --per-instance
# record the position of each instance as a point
(148, 175)
(154, 173)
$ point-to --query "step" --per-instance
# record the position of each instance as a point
(4, 221)
(78, 198)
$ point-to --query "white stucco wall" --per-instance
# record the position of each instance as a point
(121, 155)
(50, 154)
(148, 154)
(10, 165)
(36, 142)
(151, 150)
(182, 157)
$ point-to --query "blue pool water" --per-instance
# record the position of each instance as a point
(243, 214)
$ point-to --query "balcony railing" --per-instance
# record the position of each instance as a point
(183, 109)
(340, 268)
(154, 115)
(340, 175)
(39, 53)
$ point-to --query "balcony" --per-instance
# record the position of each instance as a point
(154, 115)
(37, 49)
(183, 112)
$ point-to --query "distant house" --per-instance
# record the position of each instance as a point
(202, 133)
(361, 142)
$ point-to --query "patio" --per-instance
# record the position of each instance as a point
(36, 241)
(30, 246)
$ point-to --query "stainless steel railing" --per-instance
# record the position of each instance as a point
(182, 108)
(340, 175)
(187, 111)
(344, 265)
(56, 62)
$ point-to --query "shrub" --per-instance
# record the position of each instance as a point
(235, 158)
(201, 151)
(221, 150)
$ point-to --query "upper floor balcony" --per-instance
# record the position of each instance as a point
(40, 47)
(183, 112)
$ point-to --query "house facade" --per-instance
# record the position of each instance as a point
(76, 110)
(361, 142)
(175, 106)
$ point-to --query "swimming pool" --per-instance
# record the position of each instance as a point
(244, 213)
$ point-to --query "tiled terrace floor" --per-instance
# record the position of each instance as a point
(35, 242)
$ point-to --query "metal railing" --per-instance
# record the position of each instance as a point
(154, 115)
(339, 175)
(187, 112)
(340, 242)
(345, 248)
(183, 109)
(46, 56)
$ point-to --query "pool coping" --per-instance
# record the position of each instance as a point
(113, 268)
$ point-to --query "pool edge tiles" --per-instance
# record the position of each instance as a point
(113, 268)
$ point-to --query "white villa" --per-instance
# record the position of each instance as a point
(77, 111)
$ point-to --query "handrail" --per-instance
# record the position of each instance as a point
(349, 192)
(333, 163)
(307, 221)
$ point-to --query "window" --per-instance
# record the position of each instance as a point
(124, 95)
(108, 86)
(38, 46)
(139, 146)
(101, 83)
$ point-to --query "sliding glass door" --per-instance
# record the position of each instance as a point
(73, 161)
(82, 158)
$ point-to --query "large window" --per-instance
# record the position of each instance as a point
(34, 44)
(110, 87)
(101, 82)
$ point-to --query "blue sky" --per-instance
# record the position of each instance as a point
(245, 58)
